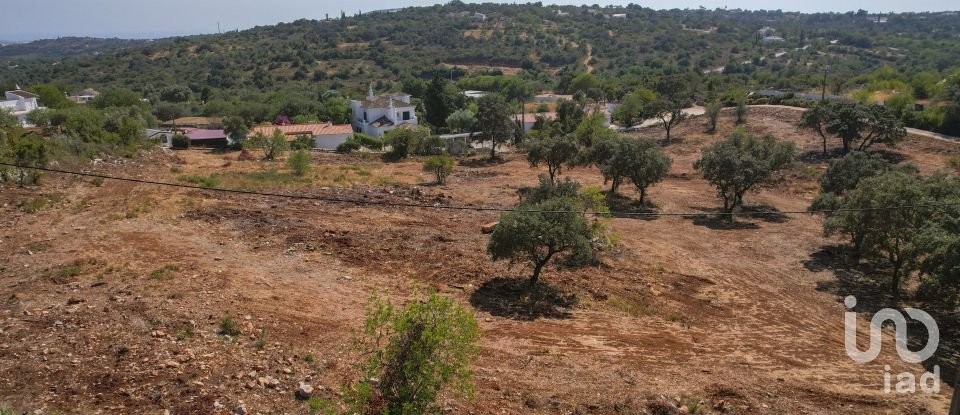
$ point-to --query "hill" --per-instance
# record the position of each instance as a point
(548, 46)
(63, 47)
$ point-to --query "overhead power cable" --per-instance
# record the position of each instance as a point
(330, 199)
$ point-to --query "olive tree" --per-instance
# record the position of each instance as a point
(884, 233)
(272, 146)
(741, 163)
(554, 152)
(494, 118)
(853, 123)
(537, 233)
(642, 161)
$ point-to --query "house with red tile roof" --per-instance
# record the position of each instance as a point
(326, 136)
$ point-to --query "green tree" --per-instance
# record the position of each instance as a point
(885, 233)
(570, 115)
(742, 162)
(404, 141)
(118, 97)
(712, 111)
(440, 166)
(673, 94)
(644, 162)
(28, 151)
(554, 152)
(175, 93)
(866, 124)
(336, 110)
(462, 120)
(634, 108)
(236, 128)
(272, 146)
(741, 108)
(536, 233)
(412, 355)
(817, 118)
(167, 111)
(51, 96)
(494, 117)
(584, 82)
(299, 162)
(436, 102)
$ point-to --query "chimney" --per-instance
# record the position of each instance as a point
(370, 92)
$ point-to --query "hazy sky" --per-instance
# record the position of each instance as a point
(33, 19)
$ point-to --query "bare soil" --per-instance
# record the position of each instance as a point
(113, 295)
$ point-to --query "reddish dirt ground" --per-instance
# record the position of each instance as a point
(100, 283)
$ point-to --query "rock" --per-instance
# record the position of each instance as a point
(75, 300)
(241, 410)
(304, 391)
(268, 381)
(287, 371)
(171, 364)
(488, 228)
(684, 410)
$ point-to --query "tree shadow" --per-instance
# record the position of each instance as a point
(817, 156)
(480, 162)
(868, 282)
(513, 298)
(713, 218)
(864, 280)
(764, 213)
(625, 207)
(891, 157)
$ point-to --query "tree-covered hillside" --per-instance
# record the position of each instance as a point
(545, 47)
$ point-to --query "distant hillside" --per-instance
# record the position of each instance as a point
(286, 68)
(63, 47)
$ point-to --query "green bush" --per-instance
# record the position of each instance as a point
(348, 146)
(440, 166)
(367, 141)
(303, 142)
(414, 354)
(954, 163)
(180, 141)
(299, 162)
(229, 327)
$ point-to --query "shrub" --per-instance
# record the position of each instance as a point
(229, 327)
(713, 115)
(180, 142)
(414, 353)
(299, 162)
(367, 141)
(348, 146)
(440, 166)
(206, 182)
(302, 142)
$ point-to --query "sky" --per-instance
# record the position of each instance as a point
(37, 19)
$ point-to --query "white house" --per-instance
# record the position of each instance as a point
(376, 115)
(84, 96)
(19, 103)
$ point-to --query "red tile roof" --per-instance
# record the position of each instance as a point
(313, 130)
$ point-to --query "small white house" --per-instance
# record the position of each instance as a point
(376, 115)
(19, 103)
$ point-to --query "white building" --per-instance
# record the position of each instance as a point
(376, 115)
(19, 103)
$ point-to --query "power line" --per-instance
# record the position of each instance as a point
(471, 208)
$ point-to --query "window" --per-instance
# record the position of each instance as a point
(364, 116)
(406, 115)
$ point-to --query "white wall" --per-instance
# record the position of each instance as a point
(330, 142)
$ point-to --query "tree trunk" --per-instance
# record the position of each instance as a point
(895, 281)
(643, 194)
(536, 273)
(667, 126)
(824, 144)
